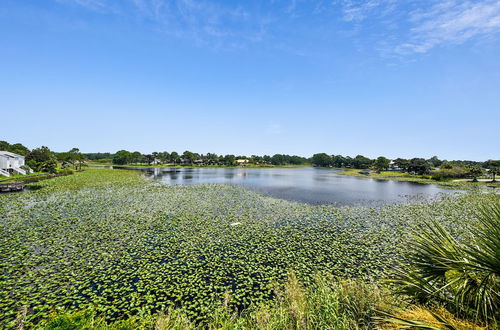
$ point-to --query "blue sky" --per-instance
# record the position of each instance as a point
(378, 77)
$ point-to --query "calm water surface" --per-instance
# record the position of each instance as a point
(309, 185)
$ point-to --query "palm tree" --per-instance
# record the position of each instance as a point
(463, 275)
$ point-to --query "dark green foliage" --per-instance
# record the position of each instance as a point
(122, 157)
(381, 163)
(322, 160)
(164, 157)
(71, 158)
(98, 155)
(493, 167)
(435, 161)
(453, 173)
(188, 157)
(340, 161)
(419, 166)
(463, 274)
(16, 148)
(361, 162)
(42, 160)
(280, 159)
(402, 164)
(446, 166)
(475, 172)
(174, 157)
(135, 157)
(149, 158)
(228, 160)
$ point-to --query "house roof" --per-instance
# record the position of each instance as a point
(10, 154)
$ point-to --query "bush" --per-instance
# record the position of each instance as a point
(65, 171)
(453, 173)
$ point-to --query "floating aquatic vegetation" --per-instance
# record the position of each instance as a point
(126, 246)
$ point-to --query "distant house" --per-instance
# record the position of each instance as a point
(241, 161)
(11, 163)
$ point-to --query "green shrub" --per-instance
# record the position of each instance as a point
(462, 274)
(453, 173)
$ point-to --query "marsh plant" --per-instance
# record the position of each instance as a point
(461, 273)
(326, 304)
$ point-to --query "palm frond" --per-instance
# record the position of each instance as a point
(463, 274)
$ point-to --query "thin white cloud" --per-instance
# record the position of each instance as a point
(451, 22)
(394, 28)
(205, 22)
(95, 5)
(275, 129)
(416, 27)
(358, 11)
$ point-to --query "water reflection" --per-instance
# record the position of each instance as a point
(310, 185)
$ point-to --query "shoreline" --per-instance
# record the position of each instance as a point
(398, 176)
(387, 175)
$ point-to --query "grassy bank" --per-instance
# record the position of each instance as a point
(399, 176)
(327, 304)
(110, 246)
(35, 177)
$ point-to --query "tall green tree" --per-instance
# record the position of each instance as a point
(435, 161)
(42, 160)
(149, 158)
(136, 157)
(164, 157)
(402, 164)
(381, 163)
(475, 172)
(419, 166)
(339, 161)
(122, 157)
(174, 157)
(494, 168)
(188, 157)
(321, 159)
(362, 162)
(229, 160)
(71, 158)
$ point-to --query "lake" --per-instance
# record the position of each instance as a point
(309, 185)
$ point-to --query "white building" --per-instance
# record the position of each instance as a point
(11, 163)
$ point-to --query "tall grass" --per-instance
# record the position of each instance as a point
(463, 274)
(327, 304)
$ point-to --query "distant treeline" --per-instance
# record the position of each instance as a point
(440, 169)
(123, 157)
(43, 159)
(434, 167)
